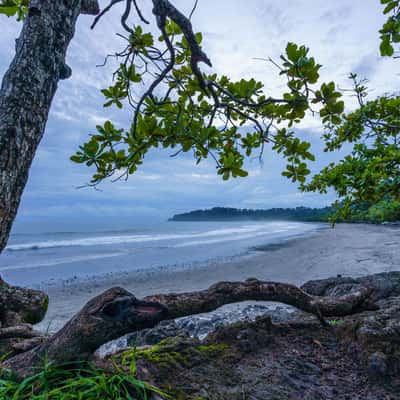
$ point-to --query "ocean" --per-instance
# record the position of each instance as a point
(49, 257)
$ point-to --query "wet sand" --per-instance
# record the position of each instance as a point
(349, 250)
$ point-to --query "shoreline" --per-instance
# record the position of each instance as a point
(55, 285)
(349, 249)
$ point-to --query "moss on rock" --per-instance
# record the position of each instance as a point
(175, 350)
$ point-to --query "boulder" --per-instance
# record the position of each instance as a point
(373, 337)
(260, 360)
(21, 305)
(384, 285)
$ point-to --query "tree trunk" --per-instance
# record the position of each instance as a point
(117, 312)
(27, 91)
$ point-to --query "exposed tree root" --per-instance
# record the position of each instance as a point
(21, 331)
(182, 304)
(117, 312)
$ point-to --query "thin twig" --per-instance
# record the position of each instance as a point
(140, 13)
(193, 9)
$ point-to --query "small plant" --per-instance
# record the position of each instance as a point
(79, 381)
(335, 322)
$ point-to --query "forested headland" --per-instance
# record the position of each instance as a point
(383, 211)
(235, 214)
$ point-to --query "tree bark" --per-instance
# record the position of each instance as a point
(117, 312)
(27, 91)
(183, 304)
(106, 317)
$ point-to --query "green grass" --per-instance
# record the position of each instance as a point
(335, 322)
(82, 381)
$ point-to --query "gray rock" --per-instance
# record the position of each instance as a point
(385, 285)
(21, 305)
(377, 365)
(197, 326)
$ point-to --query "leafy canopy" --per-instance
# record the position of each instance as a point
(187, 110)
(367, 181)
(184, 109)
(175, 105)
(371, 173)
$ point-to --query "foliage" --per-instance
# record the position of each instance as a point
(177, 106)
(367, 181)
(384, 211)
(390, 32)
(12, 8)
(371, 173)
(203, 113)
(387, 210)
(335, 322)
(210, 115)
(84, 381)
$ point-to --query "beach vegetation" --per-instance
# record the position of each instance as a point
(335, 322)
(386, 210)
(78, 381)
(370, 174)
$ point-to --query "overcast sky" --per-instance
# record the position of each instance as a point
(342, 35)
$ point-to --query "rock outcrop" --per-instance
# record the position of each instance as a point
(21, 305)
(384, 285)
(116, 312)
(19, 309)
(356, 358)
(372, 337)
(287, 356)
(258, 361)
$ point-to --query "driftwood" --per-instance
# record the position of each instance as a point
(18, 339)
(183, 304)
(21, 331)
(117, 312)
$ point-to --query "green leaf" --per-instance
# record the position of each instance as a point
(76, 159)
(390, 7)
(386, 48)
(9, 11)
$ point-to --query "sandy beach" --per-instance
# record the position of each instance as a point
(349, 249)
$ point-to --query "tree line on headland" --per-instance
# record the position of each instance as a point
(384, 211)
(228, 214)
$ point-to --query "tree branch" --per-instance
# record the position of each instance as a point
(222, 293)
(90, 7)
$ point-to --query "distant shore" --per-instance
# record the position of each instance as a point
(349, 249)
